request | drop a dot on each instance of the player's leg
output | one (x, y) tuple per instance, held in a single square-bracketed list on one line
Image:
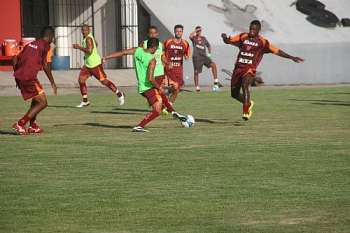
[(175, 91), (236, 85), (154, 99), (196, 80), (39, 103), (99, 74), (214, 71), (247, 103), (83, 77)]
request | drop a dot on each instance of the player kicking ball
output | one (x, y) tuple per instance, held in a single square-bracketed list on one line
[(26, 66), (145, 64), (93, 67), (252, 48)]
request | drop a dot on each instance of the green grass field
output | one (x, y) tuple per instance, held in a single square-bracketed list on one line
[(286, 170)]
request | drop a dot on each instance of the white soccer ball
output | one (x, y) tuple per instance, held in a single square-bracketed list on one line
[(189, 122), (216, 88)]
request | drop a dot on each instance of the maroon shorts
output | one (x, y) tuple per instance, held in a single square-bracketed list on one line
[(239, 74), (97, 72), (29, 88), (152, 95), (176, 76)]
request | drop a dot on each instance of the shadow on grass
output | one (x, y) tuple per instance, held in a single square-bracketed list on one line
[(109, 126), (112, 112), (132, 109), (2, 132), (324, 102), (219, 121)]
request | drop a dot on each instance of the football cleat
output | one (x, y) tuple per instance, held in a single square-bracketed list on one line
[(121, 99), (21, 130), (139, 129), (34, 129), (179, 116), (83, 104)]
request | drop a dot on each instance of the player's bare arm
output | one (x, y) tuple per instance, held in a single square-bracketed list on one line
[(150, 73), (89, 46), (49, 75), (225, 38), (286, 55), (192, 34), (120, 53)]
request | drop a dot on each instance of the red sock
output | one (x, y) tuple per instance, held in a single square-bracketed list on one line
[(83, 89), (23, 121), (32, 121), (110, 85), (148, 118), (166, 103), (246, 108)]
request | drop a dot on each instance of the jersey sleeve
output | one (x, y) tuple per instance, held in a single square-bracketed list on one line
[(269, 48), (237, 39)]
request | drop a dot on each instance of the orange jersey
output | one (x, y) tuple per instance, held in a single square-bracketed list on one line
[(251, 50), (176, 51)]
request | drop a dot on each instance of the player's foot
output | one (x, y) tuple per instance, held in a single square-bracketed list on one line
[(21, 130), (219, 84), (34, 129), (179, 116), (83, 104), (139, 129), (164, 112), (121, 99), (198, 89), (245, 116)]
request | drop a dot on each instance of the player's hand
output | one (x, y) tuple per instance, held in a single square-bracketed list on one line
[(76, 46), (54, 88), (297, 59), (104, 60), (224, 36)]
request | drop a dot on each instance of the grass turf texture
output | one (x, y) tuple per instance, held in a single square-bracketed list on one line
[(285, 170)]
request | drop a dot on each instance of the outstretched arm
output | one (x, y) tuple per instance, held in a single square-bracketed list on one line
[(225, 39), (120, 53), (281, 53), (192, 34), (89, 46)]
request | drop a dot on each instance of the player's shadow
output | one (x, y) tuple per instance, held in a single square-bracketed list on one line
[(324, 102), (61, 106), (114, 112), (108, 126), (132, 109), (2, 132), (216, 121)]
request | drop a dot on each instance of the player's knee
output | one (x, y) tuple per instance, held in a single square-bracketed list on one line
[(104, 81), (81, 80), (234, 93)]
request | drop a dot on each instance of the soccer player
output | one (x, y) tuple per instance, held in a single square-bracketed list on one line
[(93, 66), (26, 66), (145, 65), (159, 56), (252, 47), (176, 49), (202, 58)]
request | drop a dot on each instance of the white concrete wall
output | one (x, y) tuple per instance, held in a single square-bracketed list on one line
[(326, 50)]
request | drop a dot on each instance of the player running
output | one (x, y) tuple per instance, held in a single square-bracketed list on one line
[(176, 49), (26, 66), (93, 67), (202, 58), (252, 48)]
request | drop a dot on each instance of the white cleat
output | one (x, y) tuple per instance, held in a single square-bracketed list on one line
[(121, 99), (83, 104), (177, 115), (139, 129)]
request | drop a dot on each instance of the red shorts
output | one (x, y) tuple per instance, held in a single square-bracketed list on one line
[(97, 72), (160, 80), (176, 76), (29, 88), (239, 74), (152, 95)]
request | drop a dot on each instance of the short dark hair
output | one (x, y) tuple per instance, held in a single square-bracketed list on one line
[(198, 27), (152, 27), (47, 31), (178, 26), (152, 43), (256, 22)]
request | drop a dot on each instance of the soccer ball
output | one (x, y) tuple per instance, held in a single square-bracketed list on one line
[(216, 88), (189, 122)]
